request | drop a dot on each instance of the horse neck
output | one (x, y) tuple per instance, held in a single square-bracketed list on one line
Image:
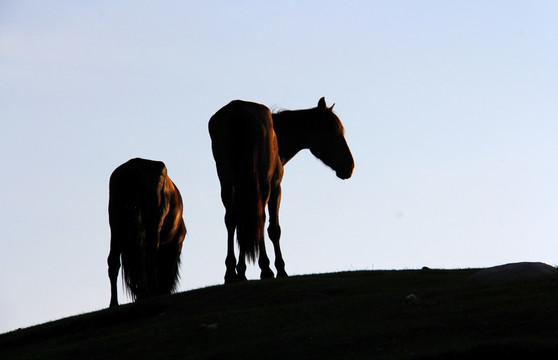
[(293, 129)]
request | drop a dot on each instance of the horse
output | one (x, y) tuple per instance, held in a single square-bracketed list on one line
[(250, 146), (147, 229)]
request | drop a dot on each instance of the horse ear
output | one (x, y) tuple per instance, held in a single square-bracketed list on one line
[(331, 108), (322, 104)]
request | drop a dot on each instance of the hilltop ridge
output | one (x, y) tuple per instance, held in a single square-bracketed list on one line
[(362, 314)]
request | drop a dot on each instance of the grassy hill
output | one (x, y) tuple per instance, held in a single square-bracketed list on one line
[(351, 315)]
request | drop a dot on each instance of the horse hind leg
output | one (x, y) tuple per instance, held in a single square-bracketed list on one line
[(230, 262), (274, 234), (227, 191), (263, 259), (113, 269), (263, 262), (241, 266), (274, 230)]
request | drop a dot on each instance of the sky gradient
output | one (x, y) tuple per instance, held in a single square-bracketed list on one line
[(450, 110)]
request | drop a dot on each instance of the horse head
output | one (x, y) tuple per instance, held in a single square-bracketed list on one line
[(329, 144)]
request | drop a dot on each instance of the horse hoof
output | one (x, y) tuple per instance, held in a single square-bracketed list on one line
[(267, 274), (231, 278), (282, 274)]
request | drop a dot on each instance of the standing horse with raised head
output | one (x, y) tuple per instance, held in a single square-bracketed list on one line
[(147, 229), (250, 147)]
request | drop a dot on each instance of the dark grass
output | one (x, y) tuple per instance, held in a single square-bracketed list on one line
[(350, 315)]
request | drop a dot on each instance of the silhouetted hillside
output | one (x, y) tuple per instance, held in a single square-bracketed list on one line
[(430, 314)]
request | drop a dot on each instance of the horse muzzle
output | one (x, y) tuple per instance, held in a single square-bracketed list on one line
[(344, 174)]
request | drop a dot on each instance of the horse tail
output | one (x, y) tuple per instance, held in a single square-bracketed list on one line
[(168, 262), (134, 254), (248, 201), (173, 232)]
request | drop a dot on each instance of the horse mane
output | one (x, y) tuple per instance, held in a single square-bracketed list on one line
[(277, 110)]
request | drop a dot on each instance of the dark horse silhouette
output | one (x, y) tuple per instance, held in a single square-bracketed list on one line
[(147, 229), (250, 146)]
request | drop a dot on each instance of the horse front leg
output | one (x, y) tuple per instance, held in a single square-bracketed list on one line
[(274, 229)]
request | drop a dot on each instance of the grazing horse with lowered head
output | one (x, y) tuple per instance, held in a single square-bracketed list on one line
[(147, 229), (250, 146)]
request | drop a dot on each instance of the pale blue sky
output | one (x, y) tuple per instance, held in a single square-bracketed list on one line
[(450, 110)]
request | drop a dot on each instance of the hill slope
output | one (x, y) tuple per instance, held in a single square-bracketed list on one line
[(364, 314)]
